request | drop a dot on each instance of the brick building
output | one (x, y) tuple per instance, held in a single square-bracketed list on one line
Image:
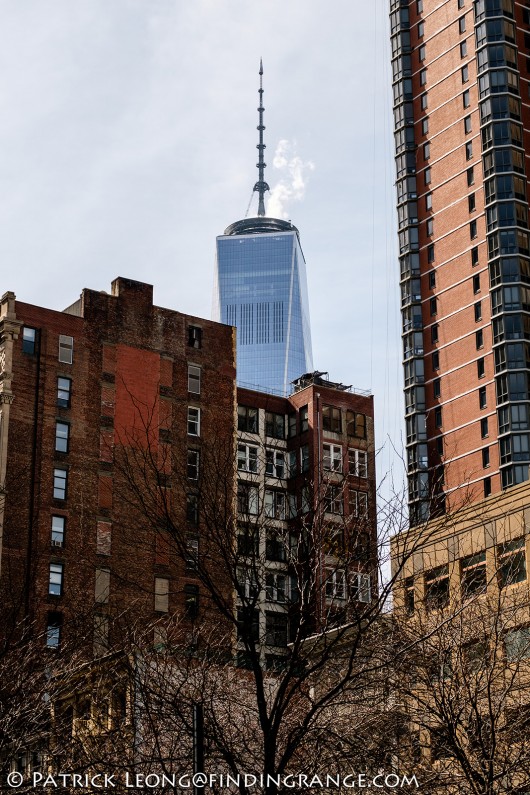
[(112, 373), (461, 83)]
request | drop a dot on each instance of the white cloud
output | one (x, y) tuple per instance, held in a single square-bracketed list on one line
[(293, 180)]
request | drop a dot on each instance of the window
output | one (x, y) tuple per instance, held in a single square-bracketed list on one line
[(275, 587), (517, 644), (430, 253), (429, 227), (424, 122), (467, 124), (331, 419), (247, 419), (482, 402), (476, 283), (472, 230), (426, 151), (102, 586), (358, 463), (54, 625), (192, 508), (60, 481), (435, 360), (481, 370), (511, 561), (195, 337), (470, 173), (423, 77), (462, 25), (436, 388), (55, 583), (358, 504), (333, 500), (466, 101), (304, 419), (66, 349), (291, 425), (193, 464), (247, 541), (62, 436), (463, 48), (437, 588), (478, 311), (485, 457), (29, 340), (421, 29), (275, 548), (191, 601), (419, 6), (274, 504), (469, 150), (194, 421), (275, 425), (247, 581), (64, 390), (460, 3), (335, 584), (428, 201), (248, 624), (409, 595), (194, 379), (479, 339), (471, 203), (275, 629), (58, 528), (361, 588), (432, 280), (356, 424), (474, 256), (465, 74), (275, 463), (247, 499), (487, 487), (247, 458), (440, 445), (421, 53), (427, 176), (433, 306), (332, 457), (192, 551), (438, 416)]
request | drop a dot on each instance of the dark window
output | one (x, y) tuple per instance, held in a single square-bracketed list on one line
[(64, 391), (476, 283), (433, 305), (511, 558), (427, 175), (471, 204), (462, 25), (463, 48), (191, 601), (485, 457), (275, 425), (474, 255), (434, 332), (438, 416), (437, 588), (478, 310), (193, 464), (469, 150), (409, 595), (435, 360), (356, 424), (60, 481), (440, 445), (421, 29), (248, 624), (195, 337), (479, 339), (247, 419), (276, 629), (473, 230), (467, 124), (426, 151), (62, 436), (487, 486), (430, 227), (430, 253), (304, 419), (482, 399), (481, 370), (473, 574), (484, 427), (470, 176), (192, 508), (331, 419), (29, 339), (428, 201), (291, 425), (54, 625), (465, 74), (436, 388)]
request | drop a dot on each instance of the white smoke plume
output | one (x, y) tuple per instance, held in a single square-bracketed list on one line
[(293, 179)]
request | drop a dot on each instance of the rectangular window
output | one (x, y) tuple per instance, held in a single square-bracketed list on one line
[(421, 53), (481, 369), (29, 340), (517, 644), (60, 481), (194, 337), (247, 541), (335, 584), (193, 464), (469, 150), (474, 256), (291, 425), (331, 419), (465, 74), (470, 173), (274, 425), (478, 311), (58, 528), (424, 101), (102, 586), (429, 226), (430, 253), (361, 588), (432, 280), (428, 201), (62, 436), (275, 587), (485, 457), (479, 339), (433, 305), (247, 458), (358, 504), (247, 419), (275, 463), (463, 48), (66, 349), (191, 601), (332, 457), (275, 548), (462, 25), (467, 125), (421, 29), (423, 77), (434, 333), (304, 458), (427, 175), (247, 580), (194, 421), (53, 630), (304, 419), (466, 100), (192, 508), (358, 463), (409, 595), (275, 629), (511, 562), (356, 424), (425, 122), (476, 283), (275, 505), (64, 391), (333, 500), (426, 150), (472, 230), (247, 499), (192, 551), (437, 588), (484, 427), (487, 487), (482, 402), (194, 379), (436, 388), (471, 203), (55, 583), (161, 595), (438, 416), (248, 624)]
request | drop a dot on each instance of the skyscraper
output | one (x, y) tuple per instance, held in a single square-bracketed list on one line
[(261, 289), (461, 84)]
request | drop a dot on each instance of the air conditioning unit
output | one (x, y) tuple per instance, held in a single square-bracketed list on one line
[(56, 543)]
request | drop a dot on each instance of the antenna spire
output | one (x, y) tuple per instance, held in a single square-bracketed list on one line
[(261, 186)]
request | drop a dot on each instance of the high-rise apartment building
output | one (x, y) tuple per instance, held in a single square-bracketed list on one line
[(261, 289), (461, 118)]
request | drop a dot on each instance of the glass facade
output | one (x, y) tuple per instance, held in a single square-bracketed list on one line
[(262, 290)]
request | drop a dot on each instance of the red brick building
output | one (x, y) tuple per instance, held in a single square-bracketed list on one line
[(461, 116)]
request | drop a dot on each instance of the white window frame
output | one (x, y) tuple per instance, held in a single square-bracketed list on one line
[(334, 500), (359, 503), (248, 582), (194, 421), (332, 457), (252, 498), (194, 379), (275, 505), (362, 587), (276, 587), (358, 462), (66, 349), (275, 463), (247, 458), (335, 584)]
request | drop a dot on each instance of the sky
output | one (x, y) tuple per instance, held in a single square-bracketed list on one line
[(128, 142)]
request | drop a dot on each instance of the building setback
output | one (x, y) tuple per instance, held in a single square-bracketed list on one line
[(460, 83)]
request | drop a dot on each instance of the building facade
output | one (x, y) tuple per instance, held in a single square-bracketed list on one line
[(461, 83), (262, 290)]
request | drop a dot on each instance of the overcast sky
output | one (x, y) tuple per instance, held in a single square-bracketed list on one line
[(128, 142)]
